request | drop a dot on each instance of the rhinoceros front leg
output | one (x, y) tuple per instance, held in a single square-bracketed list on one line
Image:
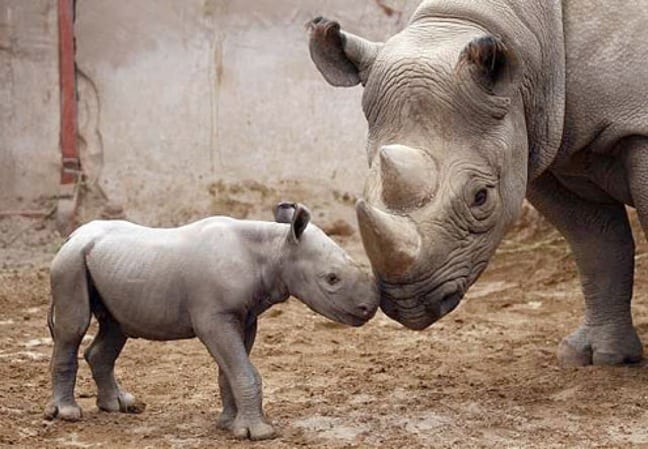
[(601, 240), (101, 356), (223, 335), (228, 414)]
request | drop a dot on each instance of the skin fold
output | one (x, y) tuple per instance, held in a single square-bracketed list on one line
[(475, 106), (210, 279)]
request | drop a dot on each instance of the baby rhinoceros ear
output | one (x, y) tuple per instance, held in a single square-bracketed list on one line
[(300, 220), (284, 211)]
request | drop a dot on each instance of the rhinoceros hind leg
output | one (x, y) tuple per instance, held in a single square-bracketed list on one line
[(101, 356), (66, 412), (68, 320), (601, 240)]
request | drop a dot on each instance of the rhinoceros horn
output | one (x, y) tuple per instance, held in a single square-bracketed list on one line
[(391, 241), (408, 177)]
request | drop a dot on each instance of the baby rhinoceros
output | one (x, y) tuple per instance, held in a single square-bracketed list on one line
[(210, 279)]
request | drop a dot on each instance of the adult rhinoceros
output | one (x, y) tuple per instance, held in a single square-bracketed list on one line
[(477, 104)]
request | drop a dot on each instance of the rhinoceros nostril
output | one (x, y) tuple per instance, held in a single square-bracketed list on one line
[(364, 310)]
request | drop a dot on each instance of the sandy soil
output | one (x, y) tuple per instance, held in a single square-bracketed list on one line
[(485, 376)]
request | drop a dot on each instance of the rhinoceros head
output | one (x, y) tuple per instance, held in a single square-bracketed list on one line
[(447, 148), (320, 273)]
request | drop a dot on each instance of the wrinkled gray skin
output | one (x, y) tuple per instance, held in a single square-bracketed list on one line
[(210, 279), (477, 104)]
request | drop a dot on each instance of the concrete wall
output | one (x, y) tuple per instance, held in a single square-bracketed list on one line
[(29, 101), (177, 95)]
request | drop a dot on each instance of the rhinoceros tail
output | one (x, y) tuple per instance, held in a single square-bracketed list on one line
[(50, 319)]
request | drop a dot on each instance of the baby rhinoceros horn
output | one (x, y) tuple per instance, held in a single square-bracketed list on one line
[(392, 242), (408, 177)]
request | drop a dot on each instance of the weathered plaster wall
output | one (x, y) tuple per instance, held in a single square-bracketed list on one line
[(201, 90), (175, 95), (29, 101)]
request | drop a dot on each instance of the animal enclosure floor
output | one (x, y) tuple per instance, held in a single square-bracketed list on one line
[(484, 376)]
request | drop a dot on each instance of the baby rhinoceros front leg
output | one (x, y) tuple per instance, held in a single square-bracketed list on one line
[(228, 415), (239, 380)]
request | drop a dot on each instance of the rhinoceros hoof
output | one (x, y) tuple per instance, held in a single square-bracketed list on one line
[(225, 420), (254, 429), (124, 402), (66, 412), (600, 345)]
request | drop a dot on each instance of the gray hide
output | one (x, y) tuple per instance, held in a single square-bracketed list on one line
[(210, 279), (477, 104)]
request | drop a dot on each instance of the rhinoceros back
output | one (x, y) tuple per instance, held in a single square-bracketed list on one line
[(138, 273)]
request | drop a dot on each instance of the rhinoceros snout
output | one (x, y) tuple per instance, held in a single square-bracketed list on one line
[(419, 311), (366, 310), (415, 319)]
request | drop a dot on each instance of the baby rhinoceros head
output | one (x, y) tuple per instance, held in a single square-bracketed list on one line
[(321, 274)]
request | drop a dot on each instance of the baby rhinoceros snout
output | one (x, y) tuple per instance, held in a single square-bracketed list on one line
[(361, 314), (365, 311), (367, 305)]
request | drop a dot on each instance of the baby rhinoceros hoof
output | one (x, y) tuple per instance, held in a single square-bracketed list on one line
[(252, 429), (225, 420), (600, 345), (66, 412), (123, 402)]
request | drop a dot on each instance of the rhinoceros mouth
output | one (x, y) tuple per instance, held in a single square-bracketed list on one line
[(450, 302), (419, 310)]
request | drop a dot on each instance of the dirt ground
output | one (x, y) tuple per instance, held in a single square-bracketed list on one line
[(484, 376)]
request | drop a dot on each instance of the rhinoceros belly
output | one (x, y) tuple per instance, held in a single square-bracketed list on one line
[(141, 284)]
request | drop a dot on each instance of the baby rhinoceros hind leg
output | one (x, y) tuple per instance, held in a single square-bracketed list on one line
[(66, 412), (101, 356), (255, 429), (68, 320)]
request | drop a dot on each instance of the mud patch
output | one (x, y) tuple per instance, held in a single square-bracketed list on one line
[(330, 428)]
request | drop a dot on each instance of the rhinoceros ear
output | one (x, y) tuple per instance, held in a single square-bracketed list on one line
[(284, 211), (492, 64), (342, 58), (300, 220)]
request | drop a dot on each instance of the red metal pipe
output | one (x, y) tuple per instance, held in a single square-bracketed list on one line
[(70, 164)]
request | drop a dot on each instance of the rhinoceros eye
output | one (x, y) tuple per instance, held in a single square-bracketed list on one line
[(332, 278), (480, 197)]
